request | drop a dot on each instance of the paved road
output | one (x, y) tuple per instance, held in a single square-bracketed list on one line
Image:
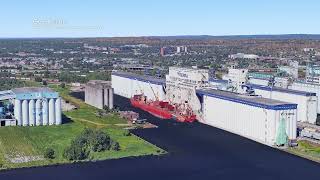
[(196, 152)]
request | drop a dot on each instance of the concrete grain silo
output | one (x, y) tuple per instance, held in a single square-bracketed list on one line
[(25, 112), (58, 111), (52, 112), (37, 106), (18, 111), (38, 112), (99, 94), (45, 114), (32, 113)]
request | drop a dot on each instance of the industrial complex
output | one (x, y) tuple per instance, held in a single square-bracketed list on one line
[(30, 107), (266, 109), (190, 92)]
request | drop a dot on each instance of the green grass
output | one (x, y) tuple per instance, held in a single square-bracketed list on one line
[(86, 112), (33, 141), (307, 149)]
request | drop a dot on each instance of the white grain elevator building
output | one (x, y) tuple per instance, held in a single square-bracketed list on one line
[(36, 107), (264, 120), (307, 102)]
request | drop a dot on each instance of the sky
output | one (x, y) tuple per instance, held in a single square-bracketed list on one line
[(110, 18)]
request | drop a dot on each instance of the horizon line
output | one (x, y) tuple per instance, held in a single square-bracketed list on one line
[(148, 36)]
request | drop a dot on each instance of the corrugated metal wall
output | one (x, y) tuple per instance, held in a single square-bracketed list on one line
[(249, 121), (307, 105), (308, 88), (262, 82), (127, 87)]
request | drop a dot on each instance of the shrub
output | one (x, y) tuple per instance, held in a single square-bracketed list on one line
[(62, 85), (100, 113), (126, 133), (49, 153), (115, 146), (38, 79), (100, 141), (45, 83), (75, 152), (80, 141)]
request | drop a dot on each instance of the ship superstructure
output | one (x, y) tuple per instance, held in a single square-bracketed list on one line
[(181, 86)]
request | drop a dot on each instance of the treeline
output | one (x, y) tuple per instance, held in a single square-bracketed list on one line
[(7, 84), (75, 77)]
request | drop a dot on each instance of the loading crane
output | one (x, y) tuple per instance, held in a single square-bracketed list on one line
[(156, 97)]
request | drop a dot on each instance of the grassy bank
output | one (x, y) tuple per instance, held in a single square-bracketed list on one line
[(307, 150), (31, 142)]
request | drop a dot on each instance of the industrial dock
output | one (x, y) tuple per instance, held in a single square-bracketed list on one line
[(188, 91)]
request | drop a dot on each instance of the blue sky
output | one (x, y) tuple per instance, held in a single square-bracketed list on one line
[(92, 18)]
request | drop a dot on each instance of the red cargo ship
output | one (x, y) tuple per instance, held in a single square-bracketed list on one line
[(161, 109)]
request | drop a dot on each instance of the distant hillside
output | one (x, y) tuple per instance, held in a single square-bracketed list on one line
[(143, 39), (236, 37)]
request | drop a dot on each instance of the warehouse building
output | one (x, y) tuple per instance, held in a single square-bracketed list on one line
[(307, 87), (32, 106), (307, 102), (129, 84), (264, 120), (99, 94)]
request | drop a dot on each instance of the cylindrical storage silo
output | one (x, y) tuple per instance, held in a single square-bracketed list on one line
[(32, 113), (110, 98), (18, 111), (58, 112), (25, 113), (38, 112), (45, 115), (52, 112)]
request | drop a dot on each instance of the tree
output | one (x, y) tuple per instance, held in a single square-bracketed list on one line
[(46, 74), (62, 85), (45, 83), (100, 141), (49, 153), (89, 140), (38, 79), (115, 146), (75, 152)]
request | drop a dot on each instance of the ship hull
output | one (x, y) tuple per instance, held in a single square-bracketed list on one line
[(161, 109), (152, 109)]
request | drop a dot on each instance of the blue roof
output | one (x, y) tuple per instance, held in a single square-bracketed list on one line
[(248, 100), (143, 78), (307, 83), (34, 93), (289, 91), (218, 80), (260, 78)]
